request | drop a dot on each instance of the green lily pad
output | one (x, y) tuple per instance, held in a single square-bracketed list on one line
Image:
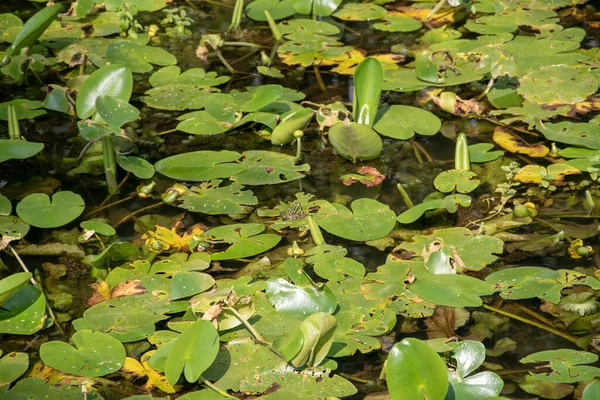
[(12, 366), (566, 365), (24, 108), (368, 220), (469, 355), (360, 12), (300, 298), (510, 20), (480, 153), (128, 319), (329, 263), (137, 166), (24, 313), (449, 203), (310, 343), (210, 198), (268, 168), (355, 141), (39, 211), (178, 97), (204, 123), (38, 389), (591, 391), (194, 76), (278, 9), (577, 133), (451, 290), (307, 26), (454, 179), (18, 149), (10, 24), (530, 113), (137, 57), (199, 338), (398, 23), (5, 206), (115, 112), (305, 49), (98, 227), (12, 227), (530, 282), (258, 370), (246, 240), (200, 165), (402, 122), (95, 354), (414, 371), (558, 83), (295, 120), (186, 284), (322, 8)]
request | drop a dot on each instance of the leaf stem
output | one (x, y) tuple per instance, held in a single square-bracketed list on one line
[(114, 203), (254, 332), (37, 285), (319, 78), (110, 164), (216, 389), (422, 150), (435, 9), (563, 335), (127, 217), (224, 61), (405, 197), (315, 231)]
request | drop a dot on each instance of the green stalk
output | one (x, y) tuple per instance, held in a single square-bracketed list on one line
[(461, 155), (236, 18), (274, 29), (14, 131), (405, 196), (315, 231), (435, 9), (110, 164), (563, 335)]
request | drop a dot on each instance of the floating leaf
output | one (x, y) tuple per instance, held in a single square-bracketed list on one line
[(178, 97), (566, 365), (398, 23), (558, 83), (194, 76), (12, 284), (513, 143), (18, 149), (186, 284), (480, 153), (451, 290), (137, 166), (12, 366), (246, 240), (278, 9), (510, 20), (95, 354), (448, 203), (209, 198), (469, 355), (402, 122), (200, 165), (268, 168), (115, 112), (322, 8), (414, 371), (310, 343), (580, 134), (368, 220), (301, 298), (295, 120), (137, 56), (460, 180), (360, 12), (39, 211), (354, 141), (199, 338)]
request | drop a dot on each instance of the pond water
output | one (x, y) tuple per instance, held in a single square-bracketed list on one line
[(354, 200)]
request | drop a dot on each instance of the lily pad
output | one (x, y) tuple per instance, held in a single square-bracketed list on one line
[(302, 297), (454, 179), (577, 133), (558, 83), (480, 153), (451, 290), (360, 12), (39, 211), (566, 365), (449, 203), (201, 165), (137, 166), (24, 313), (18, 149), (355, 141), (398, 23), (414, 371), (210, 198), (469, 355), (95, 354), (402, 122), (137, 57), (12, 366), (268, 168), (194, 76), (246, 240), (368, 220), (277, 9), (12, 284)]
